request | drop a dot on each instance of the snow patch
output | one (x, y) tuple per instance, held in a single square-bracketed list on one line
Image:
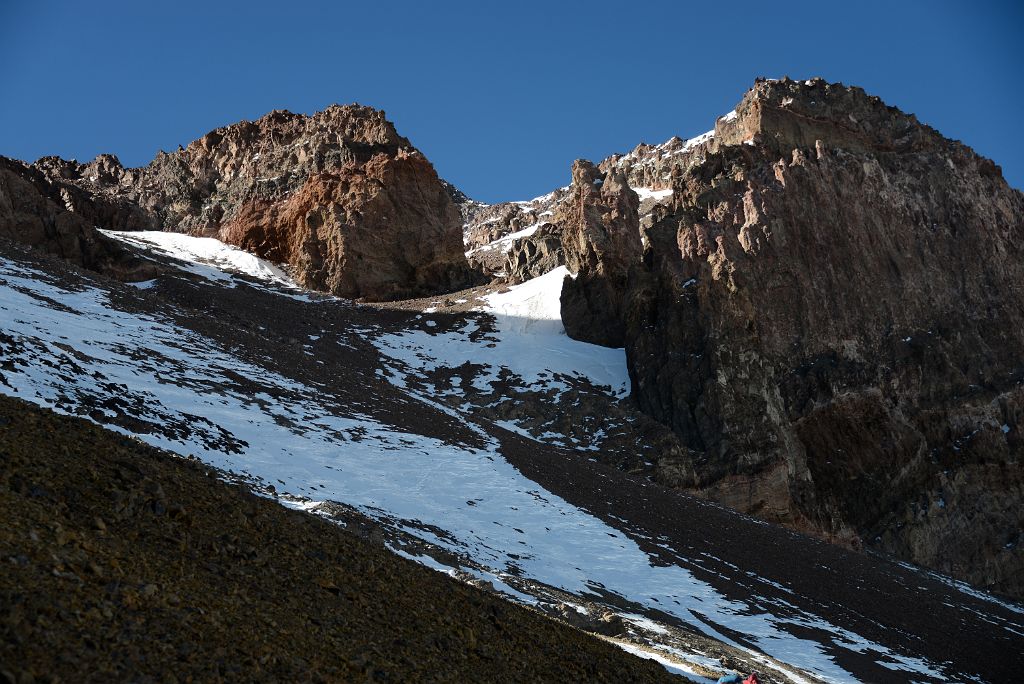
[(504, 243), (648, 193), (530, 341), (670, 664), (212, 258)]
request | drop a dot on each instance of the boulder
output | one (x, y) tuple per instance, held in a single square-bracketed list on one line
[(385, 229)]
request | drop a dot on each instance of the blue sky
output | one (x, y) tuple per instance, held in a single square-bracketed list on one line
[(500, 96)]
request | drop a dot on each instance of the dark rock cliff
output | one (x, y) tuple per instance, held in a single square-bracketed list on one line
[(42, 213), (830, 316), (601, 243)]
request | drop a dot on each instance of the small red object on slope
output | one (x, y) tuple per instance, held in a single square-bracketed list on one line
[(752, 679)]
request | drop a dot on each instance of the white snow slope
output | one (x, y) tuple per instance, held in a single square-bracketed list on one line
[(207, 257), (63, 345)]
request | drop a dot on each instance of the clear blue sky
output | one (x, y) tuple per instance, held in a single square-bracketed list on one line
[(500, 96)]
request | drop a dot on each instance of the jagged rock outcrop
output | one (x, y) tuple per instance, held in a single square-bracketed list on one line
[(499, 237), (467, 206), (367, 230), (491, 232), (654, 166), (381, 199), (43, 214), (601, 243), (829, 315), (534, 255)]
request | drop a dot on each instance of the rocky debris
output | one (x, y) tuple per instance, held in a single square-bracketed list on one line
[(492, 232), (602, 622), (828, 315), (44, 214), (128, 564), (534, 255), (340, 196), (673, 643), (601, 243)]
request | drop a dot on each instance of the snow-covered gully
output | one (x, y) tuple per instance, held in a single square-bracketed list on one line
[(292, 411)]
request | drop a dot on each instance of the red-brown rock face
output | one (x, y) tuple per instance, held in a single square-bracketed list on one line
[(361, 213), (831, 317), (385, 229)]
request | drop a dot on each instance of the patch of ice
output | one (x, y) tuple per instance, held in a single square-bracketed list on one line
[(670, 664), (693, 142), (530, 341), (504, 243), (543, 198), (645, 623), (529, 319)]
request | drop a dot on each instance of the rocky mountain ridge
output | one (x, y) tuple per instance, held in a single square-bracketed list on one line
[(33, 211), (340, 196)]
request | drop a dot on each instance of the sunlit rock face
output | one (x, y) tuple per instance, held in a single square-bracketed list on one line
[(340, 196)]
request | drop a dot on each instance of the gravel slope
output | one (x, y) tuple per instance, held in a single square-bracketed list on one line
[(121, 562)]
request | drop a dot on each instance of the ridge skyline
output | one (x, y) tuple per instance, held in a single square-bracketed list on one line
[(501, 101)]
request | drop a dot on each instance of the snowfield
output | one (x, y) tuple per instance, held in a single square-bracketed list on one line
[(530, 342), (75, 348), (656, 195)]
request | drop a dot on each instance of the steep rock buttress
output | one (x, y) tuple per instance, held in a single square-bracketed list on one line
[(830, 315)]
